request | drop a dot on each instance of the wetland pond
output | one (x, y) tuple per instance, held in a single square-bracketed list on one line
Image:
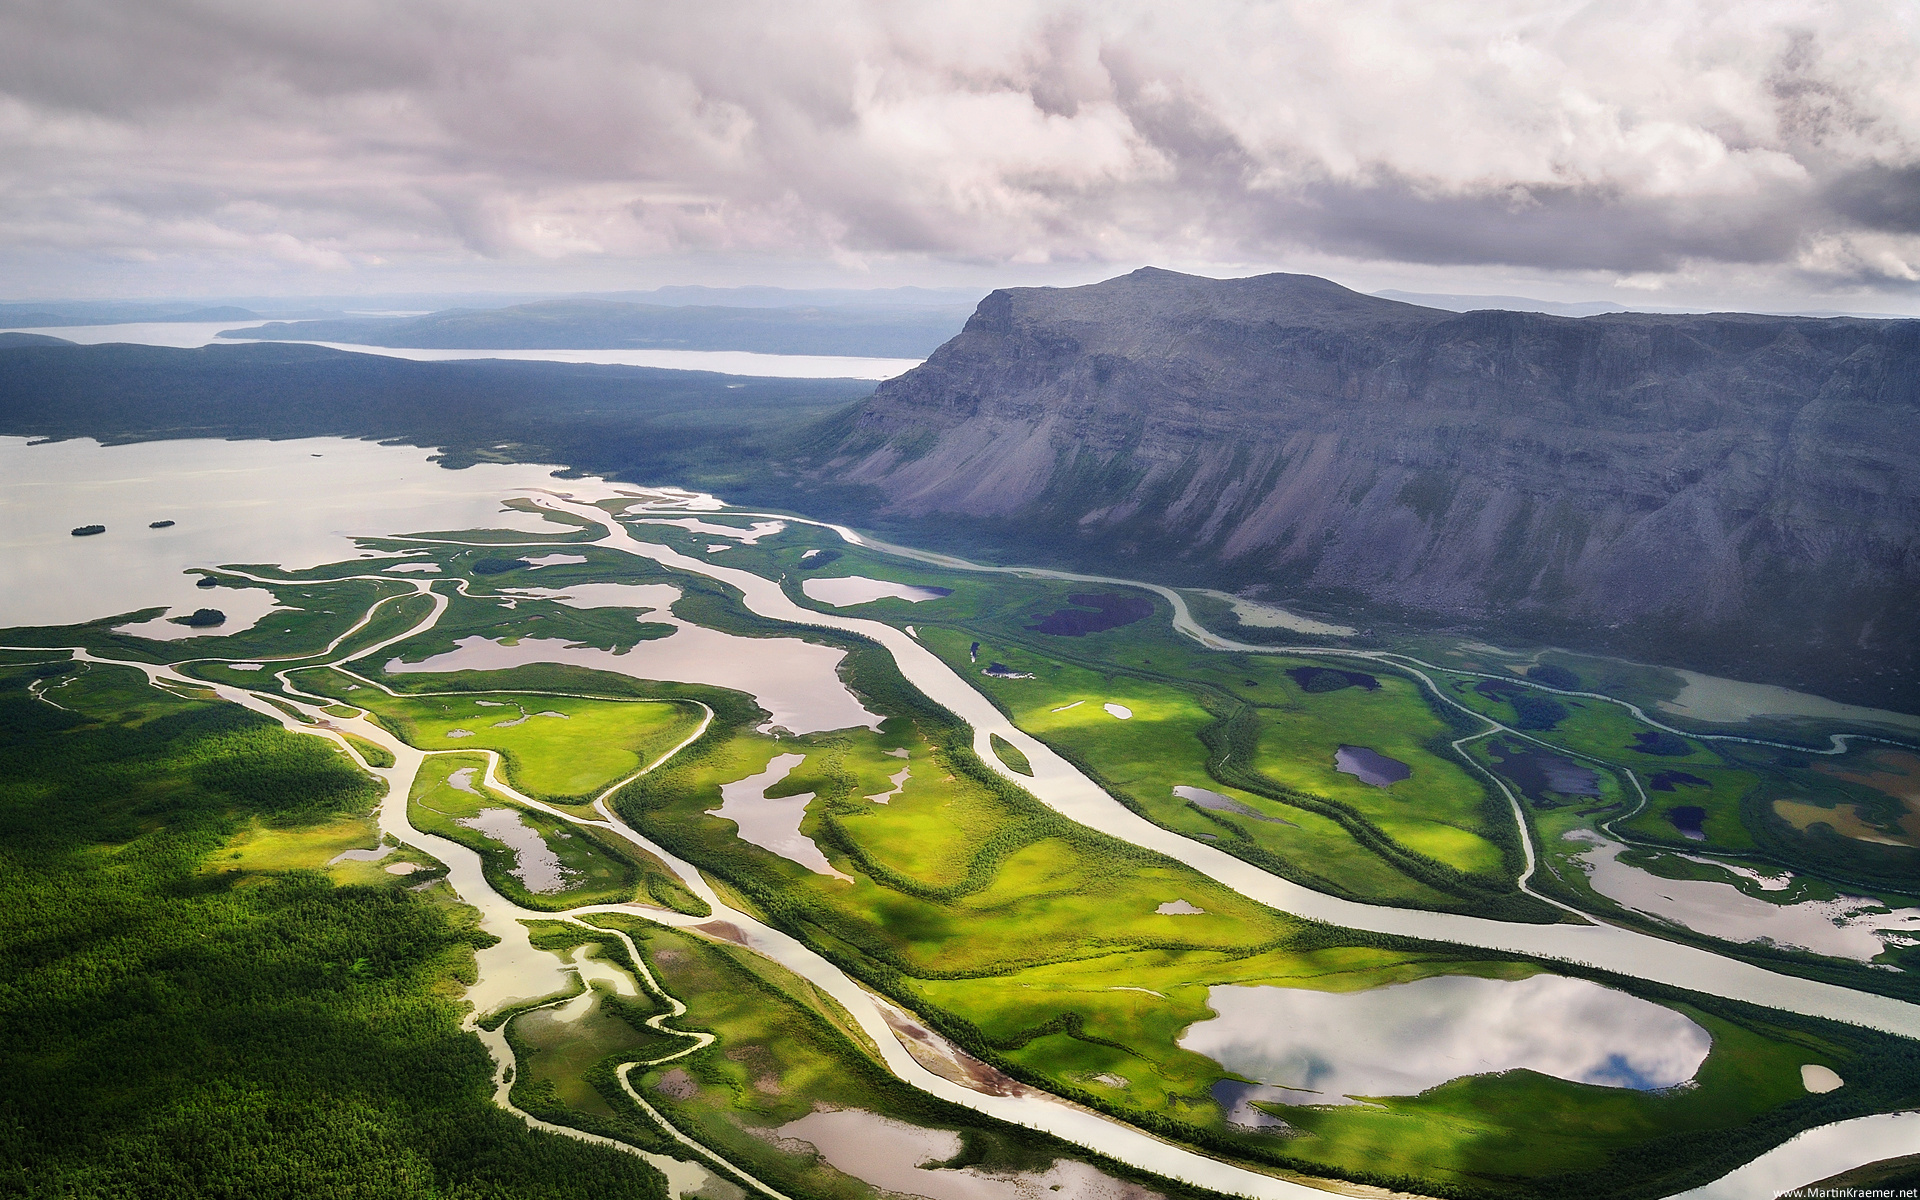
[(1370, 766), (1848, 927), (773, 823), (858, 589), (1214, 801), (1400, 1040), (1538, 772), (296, 504)]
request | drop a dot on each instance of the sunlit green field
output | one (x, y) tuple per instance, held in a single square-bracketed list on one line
[(594, 871), (562, 748)]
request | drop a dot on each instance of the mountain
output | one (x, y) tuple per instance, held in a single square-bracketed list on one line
[(1729, 491), (896, 332), (1463, 303)]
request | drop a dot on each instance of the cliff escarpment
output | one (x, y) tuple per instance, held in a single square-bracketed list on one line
[(1747, 484)]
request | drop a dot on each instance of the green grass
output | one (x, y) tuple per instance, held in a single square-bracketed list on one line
[(595, 870), (1010, 754), (567, 759), (782, 1050)]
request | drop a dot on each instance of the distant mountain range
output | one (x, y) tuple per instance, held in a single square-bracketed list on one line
[(40, 316), (903, 331), (1723, 487)]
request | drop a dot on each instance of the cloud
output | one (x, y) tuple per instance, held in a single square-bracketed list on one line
[(1632, 137)]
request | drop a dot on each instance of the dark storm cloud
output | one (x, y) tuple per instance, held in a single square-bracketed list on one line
[(1627, 138)]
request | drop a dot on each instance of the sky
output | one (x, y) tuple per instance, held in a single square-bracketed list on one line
[(1753, 154)]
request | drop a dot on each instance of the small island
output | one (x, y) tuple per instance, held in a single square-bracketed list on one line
[(88, 530), (206, 581), (202, 618), (159, 524)]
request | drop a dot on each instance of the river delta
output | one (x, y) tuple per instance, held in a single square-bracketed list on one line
[(1247, 910)]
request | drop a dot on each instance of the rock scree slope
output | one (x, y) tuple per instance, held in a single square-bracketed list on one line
[(1746, 485)]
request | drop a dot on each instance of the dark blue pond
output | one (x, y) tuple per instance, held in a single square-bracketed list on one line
[(1370, 766)]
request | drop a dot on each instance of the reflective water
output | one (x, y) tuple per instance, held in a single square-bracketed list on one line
[(1220, 802), (797, 682), (295, 503), (1256, 615), (890, 1154), (1403, 1039), (535, 863), (727, 362), (746, 535), (1370, 766), (857, 589), (1730, 701), (244, 607), (774, 824), (1850, 927)]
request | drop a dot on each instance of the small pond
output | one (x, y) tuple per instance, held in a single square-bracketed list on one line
[(1539, 773), (1110, 611), (891, 1156), (796, 681), (1668, 781), (1850, 927), (1218, 802), (774, 824), (1690, 820), (1370, 766), (1402, 1039), (858, 589), (1331, 679), (535, 863)]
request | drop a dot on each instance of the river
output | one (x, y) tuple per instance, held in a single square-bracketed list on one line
[(514, 971)]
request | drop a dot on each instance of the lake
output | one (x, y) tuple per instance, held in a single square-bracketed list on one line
[(189, 334)]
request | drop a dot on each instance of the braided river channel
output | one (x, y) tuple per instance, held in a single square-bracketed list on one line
[(299, 504)]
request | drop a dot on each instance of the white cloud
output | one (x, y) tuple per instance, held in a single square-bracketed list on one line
[(1633, 139)]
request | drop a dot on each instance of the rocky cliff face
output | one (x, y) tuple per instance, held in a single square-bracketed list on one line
[(1740, 479)]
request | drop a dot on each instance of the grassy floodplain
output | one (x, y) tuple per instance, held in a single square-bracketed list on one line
[(1239, 725), (1052, 954), (779, 1051), (1040, 947), (448, 798), (563, 749)]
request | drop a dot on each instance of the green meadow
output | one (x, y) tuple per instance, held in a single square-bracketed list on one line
[(563, 749), (450, 792), (1040, 946)]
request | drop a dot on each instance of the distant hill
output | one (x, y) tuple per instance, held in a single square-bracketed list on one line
[(643, 424), (10, 340), (1721, 489), (30, 316), (901, 332)]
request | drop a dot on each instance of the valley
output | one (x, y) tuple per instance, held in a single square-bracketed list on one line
[(1010, 903)]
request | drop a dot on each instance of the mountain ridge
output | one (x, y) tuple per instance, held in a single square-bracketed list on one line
[(1704, 476)]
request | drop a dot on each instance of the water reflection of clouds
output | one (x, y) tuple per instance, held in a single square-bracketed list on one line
[(1404, 1039)]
